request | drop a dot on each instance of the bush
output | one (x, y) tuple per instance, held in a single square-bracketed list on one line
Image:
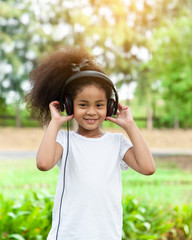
[(30, 219), (141, 221), (182, 229), (144, 222)]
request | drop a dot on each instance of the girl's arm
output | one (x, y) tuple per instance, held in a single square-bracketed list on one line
[(139, 157), (50, 151)]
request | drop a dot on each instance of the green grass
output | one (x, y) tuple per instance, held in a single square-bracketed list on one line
[(18, 177), (169, 185), (166, 186), (152, 205)]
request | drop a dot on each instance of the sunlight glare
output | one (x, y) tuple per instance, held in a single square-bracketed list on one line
[(106, 11), (88, 10), (61, 31), (97, 51), (78, 28), (139, 5), (25, 19), (127, 2)]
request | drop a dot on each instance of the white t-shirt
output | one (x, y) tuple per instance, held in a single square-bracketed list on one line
[(91, 204)]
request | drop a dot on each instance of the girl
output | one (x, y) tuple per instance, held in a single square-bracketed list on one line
[(87, 203)]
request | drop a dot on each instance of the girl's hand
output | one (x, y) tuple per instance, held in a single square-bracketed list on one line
[(55, 113), (124, 116)]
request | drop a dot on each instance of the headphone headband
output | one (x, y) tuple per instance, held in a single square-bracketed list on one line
[(88, 73)]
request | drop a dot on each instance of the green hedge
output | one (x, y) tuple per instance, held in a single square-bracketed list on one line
[(30, 219), (142, 221)]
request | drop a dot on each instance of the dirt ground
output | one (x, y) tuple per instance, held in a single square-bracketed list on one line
[(29, 139)]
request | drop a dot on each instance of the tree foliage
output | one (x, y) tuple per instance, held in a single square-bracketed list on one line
[(119, 33), (169, 71)]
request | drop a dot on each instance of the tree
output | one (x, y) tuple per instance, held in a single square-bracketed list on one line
[(170, 68), (16, 55), (116, 32), (21, 42)]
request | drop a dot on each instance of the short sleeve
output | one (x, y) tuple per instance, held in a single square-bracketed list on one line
[(60, 138), (125, 145)]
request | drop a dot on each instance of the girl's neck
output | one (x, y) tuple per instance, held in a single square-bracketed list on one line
[(90, 134)]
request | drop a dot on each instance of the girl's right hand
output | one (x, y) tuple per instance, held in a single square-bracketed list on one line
[(55, 113)]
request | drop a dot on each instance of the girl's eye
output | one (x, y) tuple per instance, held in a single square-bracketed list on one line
[(83, 105), (99, 105)]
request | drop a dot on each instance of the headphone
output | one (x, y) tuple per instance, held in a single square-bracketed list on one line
[(67, 104)]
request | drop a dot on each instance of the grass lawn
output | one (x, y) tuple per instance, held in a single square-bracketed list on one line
[(169, 185)]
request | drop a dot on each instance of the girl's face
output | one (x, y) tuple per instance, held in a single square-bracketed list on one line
[(90, 109)]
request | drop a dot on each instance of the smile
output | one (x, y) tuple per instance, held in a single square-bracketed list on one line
[(90, 120)]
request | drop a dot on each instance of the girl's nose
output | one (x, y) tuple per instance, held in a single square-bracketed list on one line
[(91, 111)]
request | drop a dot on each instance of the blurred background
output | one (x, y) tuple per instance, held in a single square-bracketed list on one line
[(145, 47)]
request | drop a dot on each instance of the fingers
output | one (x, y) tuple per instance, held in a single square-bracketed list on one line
[(54, 107), (122, 107), (68, 118), (114, 120), (55, 104)]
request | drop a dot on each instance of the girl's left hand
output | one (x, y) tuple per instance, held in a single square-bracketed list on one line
[(124, 116)]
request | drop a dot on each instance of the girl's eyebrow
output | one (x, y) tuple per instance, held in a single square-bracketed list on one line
[(82, 100), (88, 101), (102, 100)]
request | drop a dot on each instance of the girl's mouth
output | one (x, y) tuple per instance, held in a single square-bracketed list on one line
[(90, 120)]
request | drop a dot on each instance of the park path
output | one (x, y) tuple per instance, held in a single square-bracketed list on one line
[(15, 155), (22, 154)]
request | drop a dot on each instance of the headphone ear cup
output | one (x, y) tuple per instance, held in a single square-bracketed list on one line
[(62, 107), (68, 103), (111, 107)]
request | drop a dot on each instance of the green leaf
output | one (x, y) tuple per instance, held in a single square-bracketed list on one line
[(16, 236), (186, 229), (12, 215), (147, 225), (138, 216)]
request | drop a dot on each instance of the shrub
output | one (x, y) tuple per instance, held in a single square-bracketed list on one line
[(182, 228), (144, 222), (30, 219)]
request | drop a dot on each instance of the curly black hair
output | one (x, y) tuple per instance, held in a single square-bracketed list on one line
[(49, 77)]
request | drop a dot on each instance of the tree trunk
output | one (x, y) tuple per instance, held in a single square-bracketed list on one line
[(176, 123), (18, 115), (149, 119), (176, 117)]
